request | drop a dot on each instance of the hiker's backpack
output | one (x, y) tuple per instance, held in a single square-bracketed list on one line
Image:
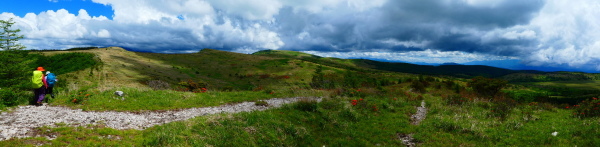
[(51, 79)]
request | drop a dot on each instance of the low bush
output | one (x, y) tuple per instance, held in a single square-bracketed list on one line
[(502, 106), (587, 108), (306, 105), (487, 87), (10, 97), (261, 103), (159, 85), (455, 99)]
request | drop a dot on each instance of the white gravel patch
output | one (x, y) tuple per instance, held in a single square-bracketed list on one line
[(19, 121)]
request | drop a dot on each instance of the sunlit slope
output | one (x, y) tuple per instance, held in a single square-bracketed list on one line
[(120, 68), (233, 70), (463, 71)]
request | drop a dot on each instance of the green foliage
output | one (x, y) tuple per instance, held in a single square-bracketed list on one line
[(525, 96), (318, 78), (192, 86), (12, 97), (455, 99), (261, 103), (419, 85), (14, 69), (487, 87), (306, 105), (289, 126), (587, 108), (67, 62), (502, 107), (147, 99), (9, 37)]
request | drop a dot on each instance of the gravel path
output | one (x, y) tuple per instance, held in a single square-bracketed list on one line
[(22, 120), (415, 119)]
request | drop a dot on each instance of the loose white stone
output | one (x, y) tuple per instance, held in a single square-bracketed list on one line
[(18, 122)]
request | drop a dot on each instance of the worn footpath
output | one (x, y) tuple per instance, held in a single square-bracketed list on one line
[(21, 121)]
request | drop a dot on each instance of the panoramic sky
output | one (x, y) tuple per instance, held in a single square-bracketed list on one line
[(517, 34)]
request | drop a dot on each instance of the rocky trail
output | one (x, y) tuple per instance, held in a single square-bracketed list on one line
[(415, 119), (21, 121)]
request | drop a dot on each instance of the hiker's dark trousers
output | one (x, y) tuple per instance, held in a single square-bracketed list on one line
[(40, 93)]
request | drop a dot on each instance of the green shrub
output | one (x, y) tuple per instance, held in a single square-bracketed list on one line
[(455, 99), (67, 62), (306, 105), (587, 108), (502, 106), (418, 86), (329, 104), (261, 103), (487, 87), (11, 97)]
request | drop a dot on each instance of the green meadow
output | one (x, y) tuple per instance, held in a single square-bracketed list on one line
[(364, 103)]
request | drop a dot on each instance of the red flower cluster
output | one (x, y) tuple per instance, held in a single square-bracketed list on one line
[(78, 99), (589, 108), (355, 102), (200, 90), (375, 108)]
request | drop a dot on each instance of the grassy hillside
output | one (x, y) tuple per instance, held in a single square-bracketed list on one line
[(462, 71), (366, 103)]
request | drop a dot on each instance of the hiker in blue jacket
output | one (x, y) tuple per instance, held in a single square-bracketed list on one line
[(51, 80)]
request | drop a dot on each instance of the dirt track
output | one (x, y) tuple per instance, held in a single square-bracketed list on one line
[(20, 121)]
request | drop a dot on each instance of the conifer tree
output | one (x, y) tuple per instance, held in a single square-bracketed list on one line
[(8, 37), (13, 63)]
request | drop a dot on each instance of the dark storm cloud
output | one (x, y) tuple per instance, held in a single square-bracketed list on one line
[(446, 25)]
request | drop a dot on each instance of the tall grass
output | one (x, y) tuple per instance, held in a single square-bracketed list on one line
[(147, 99), (530, 124)]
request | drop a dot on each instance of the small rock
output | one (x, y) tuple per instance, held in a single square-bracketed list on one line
[(119, 93)]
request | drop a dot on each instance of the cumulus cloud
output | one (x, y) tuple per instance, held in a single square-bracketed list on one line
[(539, 32), (569, 34)]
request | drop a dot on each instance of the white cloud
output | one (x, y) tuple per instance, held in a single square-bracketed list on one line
[(425, 56), (103, 34), (569, 33)]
